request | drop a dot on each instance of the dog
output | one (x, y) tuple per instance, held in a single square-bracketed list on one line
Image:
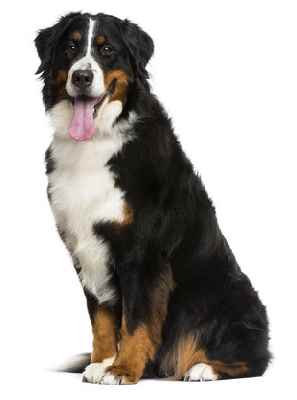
[(165, 294)]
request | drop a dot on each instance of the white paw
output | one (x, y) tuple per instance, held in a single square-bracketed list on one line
[(110, 379), (200, 372), (95, 372)]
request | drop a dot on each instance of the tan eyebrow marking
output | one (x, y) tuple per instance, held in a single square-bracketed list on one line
[(100, 39), (76, 35)]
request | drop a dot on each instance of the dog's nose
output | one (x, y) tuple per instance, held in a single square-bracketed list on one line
[(82, 78)]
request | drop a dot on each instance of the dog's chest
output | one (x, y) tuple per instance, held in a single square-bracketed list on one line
[(83, 192)]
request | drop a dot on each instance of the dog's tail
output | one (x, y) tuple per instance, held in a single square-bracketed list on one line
[(75, 364)]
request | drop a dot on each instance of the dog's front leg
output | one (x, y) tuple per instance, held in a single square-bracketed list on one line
[(105, 337), (137, 347), (145, 298)]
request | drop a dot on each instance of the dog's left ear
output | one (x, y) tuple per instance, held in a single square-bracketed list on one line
[(140, 45)]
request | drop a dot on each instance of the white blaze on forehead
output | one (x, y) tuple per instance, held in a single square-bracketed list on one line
[(88, 62), (92, 24)]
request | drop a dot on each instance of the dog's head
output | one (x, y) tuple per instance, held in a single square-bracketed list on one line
[(89, 64)]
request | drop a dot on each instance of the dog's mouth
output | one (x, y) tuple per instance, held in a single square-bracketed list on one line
[(82, 126)]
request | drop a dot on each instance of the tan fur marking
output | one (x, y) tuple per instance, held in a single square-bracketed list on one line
[(128, 214), (61, 78), (100, 40), (159, 299), (235, 369), (182, 357), (76, 35), (135, 351), (185, 355), (104, 335), (121, 84)]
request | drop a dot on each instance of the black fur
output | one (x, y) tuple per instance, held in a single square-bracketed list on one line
[(174, 222)]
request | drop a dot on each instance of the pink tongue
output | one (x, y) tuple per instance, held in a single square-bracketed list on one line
[(82, 126)]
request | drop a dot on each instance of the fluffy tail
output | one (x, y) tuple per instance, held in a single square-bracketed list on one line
[(75, 364)]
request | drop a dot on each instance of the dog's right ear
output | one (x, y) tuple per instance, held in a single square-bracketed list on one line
[(47, 38), (42, 43)]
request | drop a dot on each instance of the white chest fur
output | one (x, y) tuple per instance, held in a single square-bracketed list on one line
[(82, 193)]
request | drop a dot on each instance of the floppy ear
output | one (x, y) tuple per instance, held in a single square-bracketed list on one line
[(140, 45), (46, 40), (42, 43)]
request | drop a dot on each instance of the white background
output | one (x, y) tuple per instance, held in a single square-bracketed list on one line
[(227, 73)]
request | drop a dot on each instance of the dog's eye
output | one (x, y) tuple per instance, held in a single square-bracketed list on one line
[(72, 45), (106, 50)]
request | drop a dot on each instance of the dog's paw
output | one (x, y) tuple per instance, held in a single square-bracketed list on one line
[(119, 375), (95, 372), (111, 379), (200, 372)]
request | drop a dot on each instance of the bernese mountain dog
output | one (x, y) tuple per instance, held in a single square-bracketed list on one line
[(165, 294)]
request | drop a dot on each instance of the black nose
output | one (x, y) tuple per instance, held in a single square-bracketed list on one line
[(82, 78)]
